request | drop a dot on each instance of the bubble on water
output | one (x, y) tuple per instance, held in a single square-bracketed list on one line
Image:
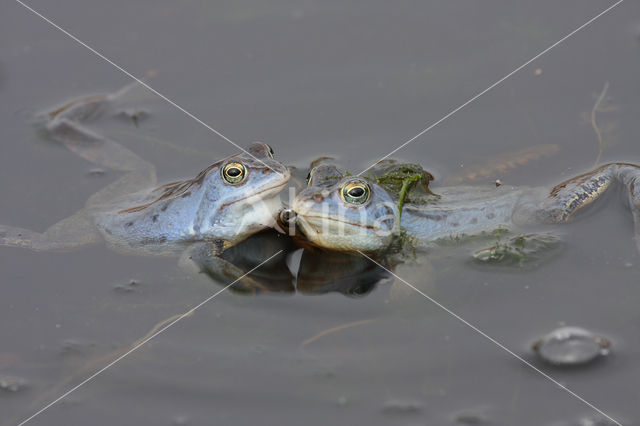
[(12, 384), (568, 346), (401, 406)]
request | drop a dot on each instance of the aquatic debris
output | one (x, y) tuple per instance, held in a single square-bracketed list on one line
[(517, 251), (97, 172), (401, 406), (468, 418), (571, 346), (472, 416), (8, 358), (12, 384), (333, 330), (75, 347), (502, 164), (596, 129), (132, 286), (134, 114)]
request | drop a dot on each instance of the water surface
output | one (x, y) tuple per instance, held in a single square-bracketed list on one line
[(320, 78)]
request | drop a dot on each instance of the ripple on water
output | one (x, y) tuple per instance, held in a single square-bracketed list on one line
[(571, 346)]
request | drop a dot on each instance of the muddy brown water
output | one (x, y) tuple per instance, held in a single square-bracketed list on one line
[(320, 78)]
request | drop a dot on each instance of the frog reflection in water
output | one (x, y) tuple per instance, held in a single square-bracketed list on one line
[(223, 204), (313, 272), (343, 212)]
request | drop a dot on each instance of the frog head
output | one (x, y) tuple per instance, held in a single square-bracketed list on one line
[(240, 195), (343, 212)]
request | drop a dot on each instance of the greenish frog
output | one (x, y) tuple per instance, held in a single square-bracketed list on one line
[(223, 204)]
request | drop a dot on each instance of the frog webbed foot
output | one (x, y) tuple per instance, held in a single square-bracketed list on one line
[(65, 124), (520, 251)]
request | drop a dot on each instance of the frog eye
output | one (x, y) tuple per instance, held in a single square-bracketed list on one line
[(234, 173), (270, 150), (355, 192)]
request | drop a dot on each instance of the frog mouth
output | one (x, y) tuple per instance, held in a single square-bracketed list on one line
[(314, 223), (257, 195)]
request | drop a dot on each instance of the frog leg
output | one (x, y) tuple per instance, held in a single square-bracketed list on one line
[(569, 197), (65, 125), (74, 231)]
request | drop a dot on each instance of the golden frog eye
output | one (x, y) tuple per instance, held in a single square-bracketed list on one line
[(234, 173), (355, 192)]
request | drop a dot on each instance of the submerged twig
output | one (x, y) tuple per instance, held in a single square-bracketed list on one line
[(334, 329), (593, 121)]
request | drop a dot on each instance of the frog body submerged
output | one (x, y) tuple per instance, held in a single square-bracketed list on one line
[(225, 203), (344, 212), (462, 211), (203, 208)]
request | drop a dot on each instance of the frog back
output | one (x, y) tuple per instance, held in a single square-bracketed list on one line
[(460, 211), (141, 222)]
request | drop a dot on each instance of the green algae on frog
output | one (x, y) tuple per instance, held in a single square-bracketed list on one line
[(343, 212), (225, 203)]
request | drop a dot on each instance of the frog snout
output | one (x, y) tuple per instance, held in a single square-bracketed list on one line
[(287, 221), (287, 216)]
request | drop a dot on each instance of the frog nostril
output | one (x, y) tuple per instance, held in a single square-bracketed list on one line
[(318, 198), (287, 215)]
